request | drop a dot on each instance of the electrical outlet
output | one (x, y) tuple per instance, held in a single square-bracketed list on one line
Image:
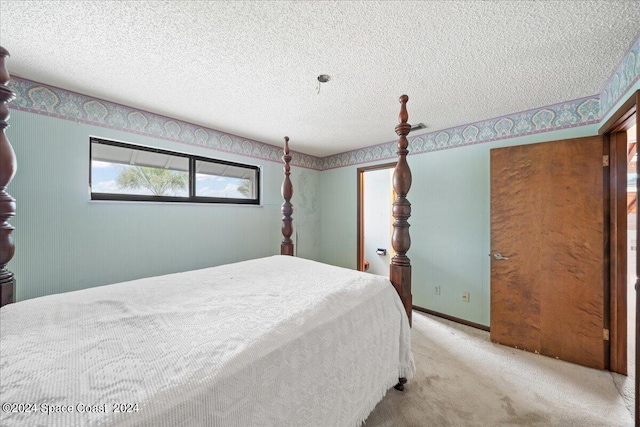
[(465, 297), (436, 290)]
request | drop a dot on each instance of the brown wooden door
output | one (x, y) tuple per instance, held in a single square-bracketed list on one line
[(547, 225)]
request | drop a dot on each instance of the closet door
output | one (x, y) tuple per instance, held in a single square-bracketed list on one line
[(547, 249)]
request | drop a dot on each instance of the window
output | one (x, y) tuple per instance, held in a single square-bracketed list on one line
[(128, 172)]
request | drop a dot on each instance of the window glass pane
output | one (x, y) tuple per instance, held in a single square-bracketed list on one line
[(228, 181), (128, 172), (122, 170), (141, 180)]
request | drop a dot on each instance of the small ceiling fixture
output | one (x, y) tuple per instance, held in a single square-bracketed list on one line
[(323, 78)]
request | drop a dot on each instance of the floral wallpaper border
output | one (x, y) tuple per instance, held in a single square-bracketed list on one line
[(625, 76), (39, 98), (569, 114), (43, 99)]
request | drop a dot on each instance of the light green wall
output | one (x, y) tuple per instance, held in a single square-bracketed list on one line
[(450, 224), (65, 242)]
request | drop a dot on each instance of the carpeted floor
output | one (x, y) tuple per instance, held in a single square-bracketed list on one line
[(463, 379)]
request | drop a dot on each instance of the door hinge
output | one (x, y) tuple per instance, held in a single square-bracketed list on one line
[(606, 334), (605, 160)]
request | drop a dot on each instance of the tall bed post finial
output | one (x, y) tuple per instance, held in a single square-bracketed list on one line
[(8, 167), (400, 269), (286, 248)]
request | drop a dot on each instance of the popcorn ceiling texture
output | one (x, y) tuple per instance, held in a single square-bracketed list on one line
[(42, 99), (226, 65)]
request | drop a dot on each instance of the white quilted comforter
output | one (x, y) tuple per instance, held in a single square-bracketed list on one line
[(278, 341)]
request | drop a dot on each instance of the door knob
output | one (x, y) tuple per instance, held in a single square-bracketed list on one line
[(498, 256)]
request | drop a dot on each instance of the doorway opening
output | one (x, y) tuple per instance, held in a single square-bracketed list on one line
[(623, 242), (632, 248), (375, 222), (621, 137)]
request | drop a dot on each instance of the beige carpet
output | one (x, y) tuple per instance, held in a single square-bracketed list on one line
[(463, 379)]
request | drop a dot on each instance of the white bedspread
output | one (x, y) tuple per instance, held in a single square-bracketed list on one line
[(278, 341)]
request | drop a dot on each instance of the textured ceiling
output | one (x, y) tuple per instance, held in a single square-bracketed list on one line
[(250, 68)]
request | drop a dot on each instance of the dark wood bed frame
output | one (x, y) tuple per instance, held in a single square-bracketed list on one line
[(7, 171), (400, 269)]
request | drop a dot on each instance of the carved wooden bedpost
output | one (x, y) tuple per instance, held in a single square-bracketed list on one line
[(286, 248), (400, 269), (8, 166)]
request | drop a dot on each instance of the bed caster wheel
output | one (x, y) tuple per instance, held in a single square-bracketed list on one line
[(400, 385)]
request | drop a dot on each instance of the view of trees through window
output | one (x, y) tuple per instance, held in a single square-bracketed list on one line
[(160, 182), (124, 172)]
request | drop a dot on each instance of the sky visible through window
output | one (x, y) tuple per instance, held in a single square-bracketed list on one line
[(104, 177)]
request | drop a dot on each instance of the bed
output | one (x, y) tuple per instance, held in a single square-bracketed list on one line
[(274, 341)]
